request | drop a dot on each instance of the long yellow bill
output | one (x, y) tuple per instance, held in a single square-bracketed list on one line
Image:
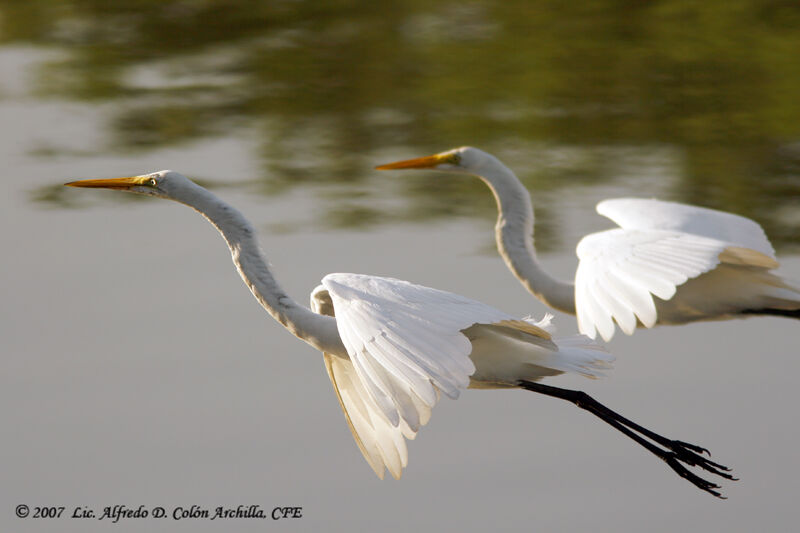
[(111, 183), (430, 161)]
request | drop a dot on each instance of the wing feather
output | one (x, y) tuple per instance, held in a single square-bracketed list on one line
[(425, 322), (658, 247), (443, 366), (380, 442), (373, 382), (651, 214), (620, 269), (618, 304), (407, 344), (635, 294)]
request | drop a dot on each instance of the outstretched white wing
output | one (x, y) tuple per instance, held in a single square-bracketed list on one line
[(644, 214), (407, 343), (659, 246), (382, 444), (405, 340)]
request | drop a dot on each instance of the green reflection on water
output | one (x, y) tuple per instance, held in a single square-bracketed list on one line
[(716, 82)]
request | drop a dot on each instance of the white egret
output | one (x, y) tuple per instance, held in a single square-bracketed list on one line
[(699, 263), (393, 347)]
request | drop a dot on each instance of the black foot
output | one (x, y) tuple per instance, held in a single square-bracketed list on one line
[(675, 453), (680, 453)]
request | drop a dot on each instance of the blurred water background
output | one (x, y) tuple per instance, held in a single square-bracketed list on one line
[(137, 370)]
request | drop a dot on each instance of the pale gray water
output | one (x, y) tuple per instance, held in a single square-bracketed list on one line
[(137, 369)]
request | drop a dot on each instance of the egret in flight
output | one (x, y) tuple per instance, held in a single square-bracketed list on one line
[(392, 347), (698, 263)]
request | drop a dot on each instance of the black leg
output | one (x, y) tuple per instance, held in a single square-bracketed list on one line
[(676, 452)]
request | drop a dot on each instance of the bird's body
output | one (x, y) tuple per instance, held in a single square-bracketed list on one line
[(666, 263), (406, 344), (392, 347)]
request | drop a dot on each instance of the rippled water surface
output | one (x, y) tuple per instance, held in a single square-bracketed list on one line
[(138, 370)]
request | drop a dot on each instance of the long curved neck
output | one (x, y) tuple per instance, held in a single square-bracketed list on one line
[(514, 236), (317, 330)]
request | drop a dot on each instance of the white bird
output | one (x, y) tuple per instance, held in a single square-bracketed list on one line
[(698, 263), (393, 347)]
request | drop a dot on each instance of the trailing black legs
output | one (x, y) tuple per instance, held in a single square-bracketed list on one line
[(673, 452)]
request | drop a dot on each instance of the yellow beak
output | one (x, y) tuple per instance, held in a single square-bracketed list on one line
[(112, 183), (430, 161)]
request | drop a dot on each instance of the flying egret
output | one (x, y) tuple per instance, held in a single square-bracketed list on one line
[(699, 263), (391, 347)]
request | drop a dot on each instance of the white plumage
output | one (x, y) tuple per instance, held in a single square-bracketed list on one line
[(407, 343), (652, 214), (392, 347), (667, 263), (658, 248)]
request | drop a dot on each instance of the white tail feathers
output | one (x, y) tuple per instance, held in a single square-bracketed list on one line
[(582, 355)]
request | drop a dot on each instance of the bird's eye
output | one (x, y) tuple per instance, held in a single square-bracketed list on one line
[(152, 182)]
